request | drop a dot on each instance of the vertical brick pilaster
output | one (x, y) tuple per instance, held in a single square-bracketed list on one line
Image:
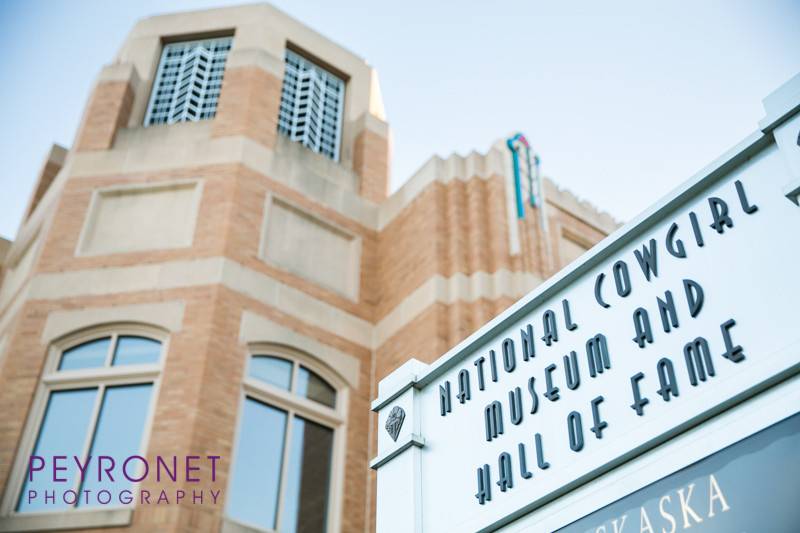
[(109, 107), (371, 157), (248, 105)]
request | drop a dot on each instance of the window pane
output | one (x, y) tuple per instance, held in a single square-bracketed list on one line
[(63, 432), (90, 354), (253, 497), (118, 435), (136, 351), (315, 388), (272, 370), (305, 505)]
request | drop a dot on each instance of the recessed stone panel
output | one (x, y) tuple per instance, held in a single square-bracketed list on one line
[(141, 218), (311, 247)]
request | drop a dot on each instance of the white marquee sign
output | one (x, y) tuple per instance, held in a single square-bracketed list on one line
[(688, 310)]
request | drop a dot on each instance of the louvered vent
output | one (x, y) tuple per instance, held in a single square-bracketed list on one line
[(188, 81), (311, 106)]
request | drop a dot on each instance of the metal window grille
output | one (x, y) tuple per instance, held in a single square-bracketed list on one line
[(311, 106), (188, 81)]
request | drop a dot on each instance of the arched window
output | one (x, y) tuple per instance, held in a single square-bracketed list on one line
[(287, 444), (95, 398)]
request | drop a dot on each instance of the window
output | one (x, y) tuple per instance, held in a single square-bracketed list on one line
[(284, 459), (311, 106), (188, 81), (97, 400)]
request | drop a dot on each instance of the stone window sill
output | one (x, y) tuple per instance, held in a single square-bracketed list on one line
[(52, 521)]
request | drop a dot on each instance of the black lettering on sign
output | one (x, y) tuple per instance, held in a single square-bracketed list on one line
[(515, 405), (534, 396), (698, 236), (479, 364), (493, 420), (528, 349), (571, 370), (550, 330), (622, 278), (505, 480), (747, 207), (523, 463), (552, 392), (698, 360), (638, 401), (647, 259), (540, 462), (568, 323), (599, 423), (493, 365), (597, 353), (734, 352), (719, 210), (666, 378), (444, 398), (484, 485), (463, 385), (675, 246), (694, 296), (509, 357), (575, 428), (641, 325), (598, 282), (669, 315)]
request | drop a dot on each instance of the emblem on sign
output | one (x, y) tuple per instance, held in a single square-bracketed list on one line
[(395, 421)]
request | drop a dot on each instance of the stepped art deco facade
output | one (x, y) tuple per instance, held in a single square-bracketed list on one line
[(208, 285)]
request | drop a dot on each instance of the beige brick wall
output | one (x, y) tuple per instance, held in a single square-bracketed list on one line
[(196, 409), (371, 163), (248, 105), (458, 227), (449, 227), (109, 107)]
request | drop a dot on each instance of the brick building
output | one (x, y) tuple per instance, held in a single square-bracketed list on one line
[(215, 267)]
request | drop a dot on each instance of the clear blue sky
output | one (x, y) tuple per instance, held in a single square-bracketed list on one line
[(623, 100)]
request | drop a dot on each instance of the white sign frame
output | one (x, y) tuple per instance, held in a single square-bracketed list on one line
[(402, 477)]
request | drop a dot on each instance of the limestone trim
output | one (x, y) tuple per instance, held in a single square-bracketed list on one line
[(580, 209), (166, 315), (178, 146), (67, 520), (51, 166), (9, 312), (368, 121), (436, 169), (449, 290), (200, 272), (18, 270), (255, 329), (125, 72), (160, 148), (269, 291)]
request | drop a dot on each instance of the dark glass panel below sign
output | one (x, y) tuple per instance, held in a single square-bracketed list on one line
[(749, 487)]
